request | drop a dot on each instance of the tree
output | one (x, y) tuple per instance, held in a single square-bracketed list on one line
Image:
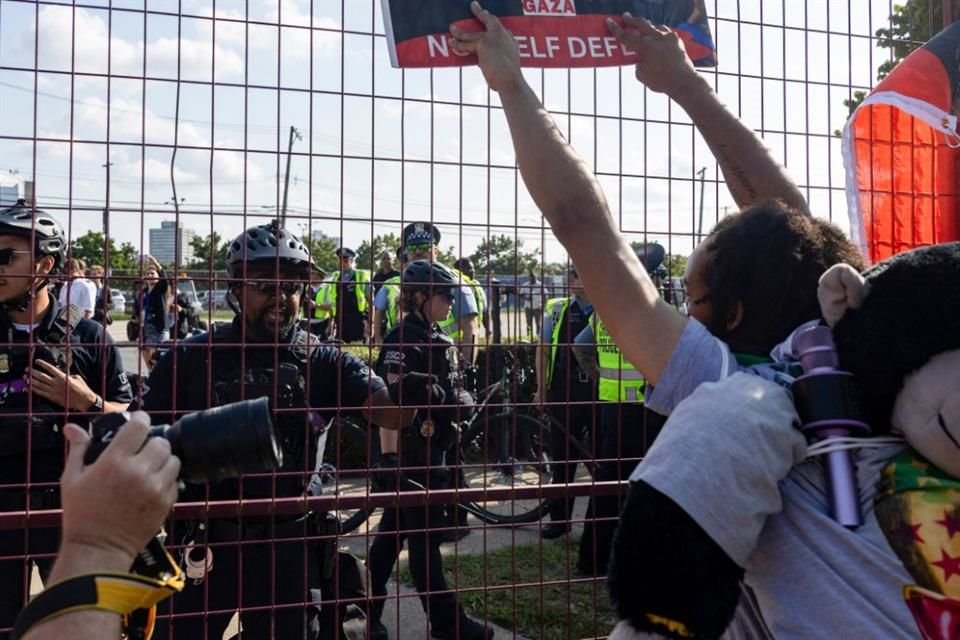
[(503, 255), (209, 252), (90, 248), (911, 26), (676, 265), (368, 254), (323, 251)]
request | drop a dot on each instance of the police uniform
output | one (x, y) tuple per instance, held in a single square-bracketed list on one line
[(348, 292), (297, 375), (571, 393), (415, 346), (627, 430), (94, 357)]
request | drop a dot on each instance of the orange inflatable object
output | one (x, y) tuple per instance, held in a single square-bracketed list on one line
[(901, 151)]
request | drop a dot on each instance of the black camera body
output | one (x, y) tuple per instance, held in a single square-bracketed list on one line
[(214, 444)]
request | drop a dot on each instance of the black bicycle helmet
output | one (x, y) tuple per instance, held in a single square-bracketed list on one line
[(268, 242), (651, 256), (27, 222), (424, 275)]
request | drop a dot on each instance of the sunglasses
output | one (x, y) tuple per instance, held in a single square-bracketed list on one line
[(418, 248), (6, 255), (446, 294), (267, 287)]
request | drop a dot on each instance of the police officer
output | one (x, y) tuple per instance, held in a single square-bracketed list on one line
[(55, 366), (627, 428), (348, 298), (263, 353), (567, 389), (386, 304), (420, 240), (464, 266), (417, 344)]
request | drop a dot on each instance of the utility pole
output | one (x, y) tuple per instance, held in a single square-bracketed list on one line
[(702, 174), (294, 135), (106, 223)]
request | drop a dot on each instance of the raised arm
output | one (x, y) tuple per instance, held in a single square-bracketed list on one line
[(570, 198), (750, 171)]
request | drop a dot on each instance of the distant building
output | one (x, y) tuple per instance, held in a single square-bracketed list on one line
[(9, 189), (316, 234), (170, 244)]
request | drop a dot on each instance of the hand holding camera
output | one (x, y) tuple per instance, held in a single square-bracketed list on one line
[(114, 506)]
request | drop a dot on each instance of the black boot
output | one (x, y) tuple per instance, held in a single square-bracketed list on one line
[(378, 631)]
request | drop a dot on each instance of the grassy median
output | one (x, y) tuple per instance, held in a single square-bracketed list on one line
[(532, 589)]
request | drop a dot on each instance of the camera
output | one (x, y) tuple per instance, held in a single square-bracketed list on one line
[(827, 401), (223, 442)]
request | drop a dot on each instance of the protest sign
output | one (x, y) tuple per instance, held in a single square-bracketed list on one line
[(549, 33)]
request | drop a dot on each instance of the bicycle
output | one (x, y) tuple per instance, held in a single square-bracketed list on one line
[(499, 446)]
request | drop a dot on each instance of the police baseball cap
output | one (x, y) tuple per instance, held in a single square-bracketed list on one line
[(345, 252), (420, 233)]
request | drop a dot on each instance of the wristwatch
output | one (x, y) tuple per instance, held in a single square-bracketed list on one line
[(97, 403)]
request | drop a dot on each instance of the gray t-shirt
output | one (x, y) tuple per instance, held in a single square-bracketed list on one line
[(812, 577)]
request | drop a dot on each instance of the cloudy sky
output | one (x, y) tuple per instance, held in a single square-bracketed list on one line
[(212, 89)]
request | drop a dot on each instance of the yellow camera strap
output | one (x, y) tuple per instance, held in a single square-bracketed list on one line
[(155, 576), (120, 593)]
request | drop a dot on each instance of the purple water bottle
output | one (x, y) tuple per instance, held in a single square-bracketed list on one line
[(827, 401)]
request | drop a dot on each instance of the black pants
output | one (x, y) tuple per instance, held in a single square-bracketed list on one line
[(626, 432), (350, 328), (579, 419), (413, 525), (15, 573), (20, 549), (282, 572)]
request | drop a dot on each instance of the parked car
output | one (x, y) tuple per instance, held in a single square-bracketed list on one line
[(118, 301), (215, 299)]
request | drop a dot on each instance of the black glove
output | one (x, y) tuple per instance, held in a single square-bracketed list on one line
[(385, 473), (417, 389)]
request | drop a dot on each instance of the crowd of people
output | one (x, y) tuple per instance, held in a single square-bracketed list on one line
[(613, 360)]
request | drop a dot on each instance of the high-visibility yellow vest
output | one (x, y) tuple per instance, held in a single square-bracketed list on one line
[(321, 298), (449, 324), (556, 307), (619, 380), (361, 277), (392, 312)]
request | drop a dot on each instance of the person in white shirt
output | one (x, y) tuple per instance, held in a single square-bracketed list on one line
[(77, 290)]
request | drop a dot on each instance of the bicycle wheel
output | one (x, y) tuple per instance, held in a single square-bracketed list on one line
[(501, 451), (348, 457)]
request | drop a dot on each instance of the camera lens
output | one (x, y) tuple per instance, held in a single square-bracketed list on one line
[(225, 442)]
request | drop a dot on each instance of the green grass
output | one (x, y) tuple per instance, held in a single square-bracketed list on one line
[(553, 603)]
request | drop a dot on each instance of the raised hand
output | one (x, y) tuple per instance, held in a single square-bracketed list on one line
[(662, 62), (495, 48)]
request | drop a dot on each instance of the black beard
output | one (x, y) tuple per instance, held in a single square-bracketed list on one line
[(262, 329)]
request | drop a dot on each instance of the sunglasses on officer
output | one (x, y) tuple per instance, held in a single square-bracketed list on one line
[(446, 294), (267, 287), (7, 253)]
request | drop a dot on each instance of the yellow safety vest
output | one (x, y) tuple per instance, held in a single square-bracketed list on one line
[(619, 380), (318, 299), (392, 312), (361, 278), (556, 307), (449, 324)]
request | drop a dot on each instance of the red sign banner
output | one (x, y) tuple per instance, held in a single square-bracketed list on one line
[(549, 33)]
